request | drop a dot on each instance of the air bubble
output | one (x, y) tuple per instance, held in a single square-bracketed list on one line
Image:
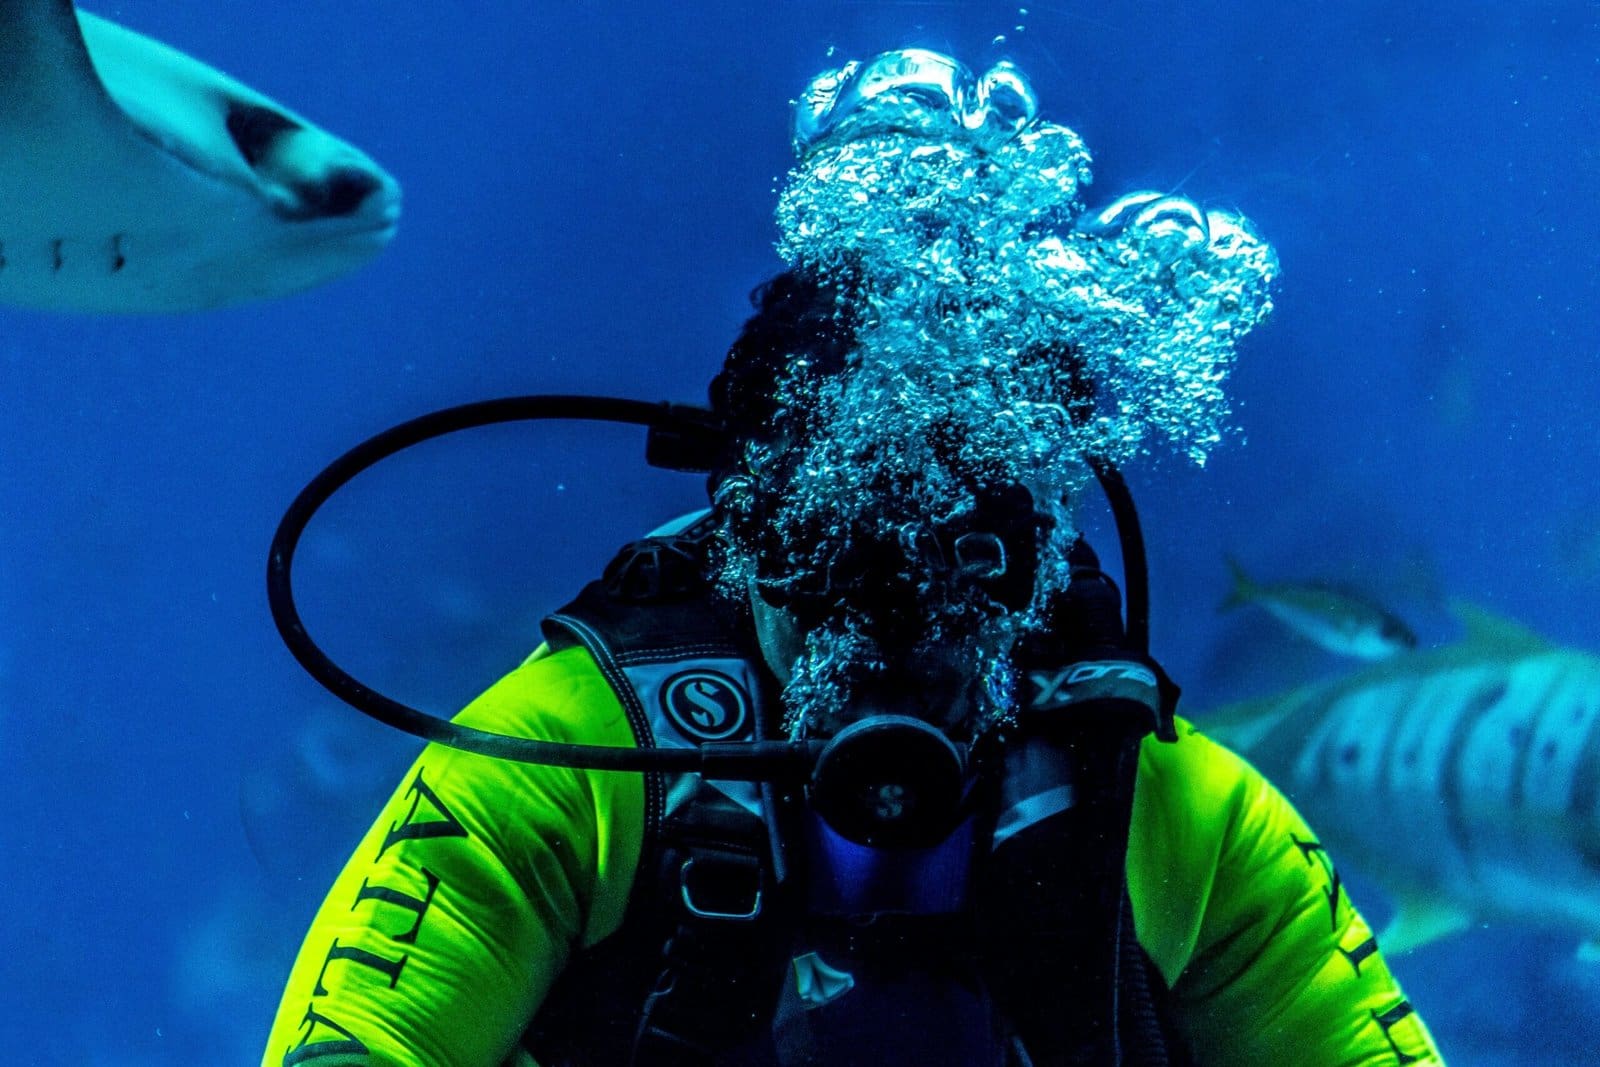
[(951, 211)]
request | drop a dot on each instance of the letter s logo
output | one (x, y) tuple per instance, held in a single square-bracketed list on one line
[(705, 705)]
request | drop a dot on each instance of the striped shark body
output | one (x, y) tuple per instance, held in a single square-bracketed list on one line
[(1464, 779)]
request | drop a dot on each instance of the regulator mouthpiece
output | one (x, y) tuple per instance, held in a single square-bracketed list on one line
[(890, 781)]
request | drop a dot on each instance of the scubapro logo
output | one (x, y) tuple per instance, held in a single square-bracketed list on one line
[(1097, 678), (705, 705)]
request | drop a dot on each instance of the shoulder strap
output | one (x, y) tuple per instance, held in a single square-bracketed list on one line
[(703, 919)]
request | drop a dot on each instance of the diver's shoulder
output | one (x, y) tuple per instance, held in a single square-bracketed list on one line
[(553, 695), (1196, 768), (1192, 745)]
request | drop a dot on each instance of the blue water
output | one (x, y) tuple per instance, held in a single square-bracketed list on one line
[(589, 194)]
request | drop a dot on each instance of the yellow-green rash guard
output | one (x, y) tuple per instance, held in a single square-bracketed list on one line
[(481, 878)]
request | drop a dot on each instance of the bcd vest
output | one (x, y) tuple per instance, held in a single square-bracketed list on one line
[(756, 937)]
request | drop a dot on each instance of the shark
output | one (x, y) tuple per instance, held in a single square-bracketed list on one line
[(137, 179), (1463, 779)]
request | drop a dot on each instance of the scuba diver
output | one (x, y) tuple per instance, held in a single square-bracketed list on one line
[(868, 761)]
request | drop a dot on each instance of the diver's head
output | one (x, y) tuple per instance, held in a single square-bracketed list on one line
[(881, 579), (921, 398)]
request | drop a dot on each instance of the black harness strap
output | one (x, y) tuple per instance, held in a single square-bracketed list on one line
[(699, 960), (721, 969)]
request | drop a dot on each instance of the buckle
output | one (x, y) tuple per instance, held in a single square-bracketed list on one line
[(725, 888)]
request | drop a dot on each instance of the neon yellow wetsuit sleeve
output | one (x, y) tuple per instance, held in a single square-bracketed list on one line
[(464, 901), (1243, 912)]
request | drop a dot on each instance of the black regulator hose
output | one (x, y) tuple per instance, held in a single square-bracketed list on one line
[(681, 437), (1130, 536)]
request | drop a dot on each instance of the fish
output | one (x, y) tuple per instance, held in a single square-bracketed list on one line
[(1463, 779), (137, 179), (1340, 622)]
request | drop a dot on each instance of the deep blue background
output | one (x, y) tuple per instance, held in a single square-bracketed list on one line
[(588, 199)]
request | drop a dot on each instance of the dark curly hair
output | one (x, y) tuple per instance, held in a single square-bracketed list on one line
[(801, 318), (802, 327)]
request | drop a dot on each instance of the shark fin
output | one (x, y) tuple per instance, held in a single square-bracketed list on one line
[(1485, 627), (1419, 921), (1244, 589), (1241, 726)]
